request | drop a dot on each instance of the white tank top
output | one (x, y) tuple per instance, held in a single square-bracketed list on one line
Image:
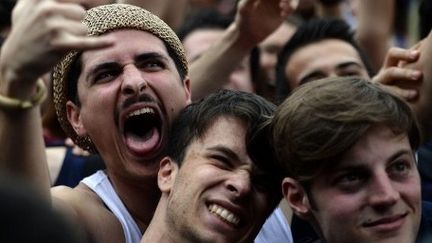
[(101, 185)]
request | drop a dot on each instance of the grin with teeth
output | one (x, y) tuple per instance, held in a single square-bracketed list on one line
[(224, 214)]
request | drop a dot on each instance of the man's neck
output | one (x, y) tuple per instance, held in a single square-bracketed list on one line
[(140, 198), (158, 230)]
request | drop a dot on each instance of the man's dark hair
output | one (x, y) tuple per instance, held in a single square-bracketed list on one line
[(207, 18), (311, 32), (255, 111), (323, 119)]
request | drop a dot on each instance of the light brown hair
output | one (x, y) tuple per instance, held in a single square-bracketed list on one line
[(323, 119)]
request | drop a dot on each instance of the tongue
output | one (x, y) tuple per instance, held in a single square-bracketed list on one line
[(142, 145)]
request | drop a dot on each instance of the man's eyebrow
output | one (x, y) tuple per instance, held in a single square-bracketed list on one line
[(103, 66), (400, 153), (226, 151), (306, 78), (349, 63), (149, 55), (361, 166)]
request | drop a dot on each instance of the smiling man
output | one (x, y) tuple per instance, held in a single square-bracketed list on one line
[(219, 182), (350, 163)]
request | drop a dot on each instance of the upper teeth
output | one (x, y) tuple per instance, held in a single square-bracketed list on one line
[(224, 214), (141, 111)]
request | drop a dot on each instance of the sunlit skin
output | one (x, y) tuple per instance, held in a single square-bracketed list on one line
[(198, 41), (327, 58), (372, 195), (137, 65), (217, 170)]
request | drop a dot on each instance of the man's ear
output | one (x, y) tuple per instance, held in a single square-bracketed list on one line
[(296, 197), (73, 115), (167, 174), (187, 88)]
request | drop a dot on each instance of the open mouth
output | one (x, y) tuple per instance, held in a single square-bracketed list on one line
[(224, 214), (142, 130)]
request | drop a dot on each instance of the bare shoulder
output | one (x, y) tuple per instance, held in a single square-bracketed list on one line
[(85, 208)]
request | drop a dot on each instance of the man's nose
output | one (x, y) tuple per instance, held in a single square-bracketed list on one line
[(384, 193), (133, 81), (239, 183)]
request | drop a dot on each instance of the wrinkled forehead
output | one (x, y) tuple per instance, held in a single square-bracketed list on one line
[(128, 43), (326, 58)]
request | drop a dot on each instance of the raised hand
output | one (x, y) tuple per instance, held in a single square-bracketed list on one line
[(396, 77), (256, 19), (42, 32)]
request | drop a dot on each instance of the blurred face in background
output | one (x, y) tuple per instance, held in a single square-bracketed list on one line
[(199, 41)]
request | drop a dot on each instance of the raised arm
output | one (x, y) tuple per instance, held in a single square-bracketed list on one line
[(375, 27), (42, 32), (422, 105), (254, 21), (411, 77)]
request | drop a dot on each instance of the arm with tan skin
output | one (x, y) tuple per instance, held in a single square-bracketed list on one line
[(254, 21), (374, 30), (172, 14), (410, 76), (422, 105), (42, 32)]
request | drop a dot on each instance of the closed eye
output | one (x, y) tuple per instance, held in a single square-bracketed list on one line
[(221, 161)]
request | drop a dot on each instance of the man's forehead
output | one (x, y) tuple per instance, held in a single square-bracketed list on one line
[(322, 50), (225, 131), (377, 146), (128, 43)]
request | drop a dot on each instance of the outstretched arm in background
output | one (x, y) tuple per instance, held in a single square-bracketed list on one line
[(254, 21), (375, 28)]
